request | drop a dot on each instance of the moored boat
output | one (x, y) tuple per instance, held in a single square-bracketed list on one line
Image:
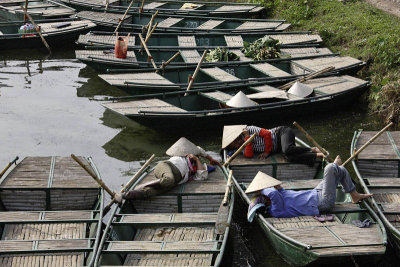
[(303, 240), (38, 9), (378, 172), (201, 109), (56, 32), (177, 228), (51, 213), (182, 24), (197, 8)]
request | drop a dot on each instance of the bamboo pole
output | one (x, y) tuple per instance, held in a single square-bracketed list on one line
[(123, 17), (240, 149), (141, 7), (9, 165), (309, 137), (131, 182), (164, 64), (147, 51), (37, 29), (367, 143), (97, 179), (228, 184), (149, 33), (191, 81), (308, 77)]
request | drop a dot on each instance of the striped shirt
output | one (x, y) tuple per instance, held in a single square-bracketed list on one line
[(259, 142)]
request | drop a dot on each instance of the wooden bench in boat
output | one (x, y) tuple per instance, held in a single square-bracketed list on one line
[(234, 40), (153, 5), (104, 17), (287, 39), (316, 64), (283, 27), (190, 56), (48, 28), (269, 70), (210, 24), (218, 96), (8, 217), (219, 74), (337, 84), (100, 55), (138, 78), (235, 7), (187, 41), (8, 247), (305, 51), (256, 25), (89, 39), (169, 22), (134, 107)]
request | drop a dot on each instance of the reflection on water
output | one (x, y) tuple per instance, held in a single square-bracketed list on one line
[(45, 110)]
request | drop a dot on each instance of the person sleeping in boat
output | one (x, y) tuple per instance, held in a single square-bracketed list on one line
[(282, 203), (279, 139), (183, 166)]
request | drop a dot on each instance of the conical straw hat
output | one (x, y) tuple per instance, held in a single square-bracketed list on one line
[(262, 181), (182, 147), (240, 100), (231, 132), (300, 90)]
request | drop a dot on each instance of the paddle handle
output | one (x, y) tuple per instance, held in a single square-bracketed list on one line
[(97, 179), (228, 184), (196, 71), (240, 149), (8, 166), (37, 29), (147, 51), (123, 17), (164, 64), (367, 143), (309, 137)]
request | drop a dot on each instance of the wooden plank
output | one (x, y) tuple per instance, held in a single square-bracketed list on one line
[(152, 246), (317, 64), (219, 74), (234, 40), (235, 8), (169, 22), (269, 70), (48, 28), (89, 39), (144, 78), (100, 16), (187, 41), (218, 96), (291, 39), (210, 24), (252, 25), (169, 217), (190, 56), (154, 5)]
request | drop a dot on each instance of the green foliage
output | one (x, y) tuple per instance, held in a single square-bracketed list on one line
[(263, 48), (218, 54)]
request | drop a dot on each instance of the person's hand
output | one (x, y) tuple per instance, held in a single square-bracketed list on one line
[(278, 187), (245, 132), (214, 162), (191, 156), (263, 155), (118, 198)]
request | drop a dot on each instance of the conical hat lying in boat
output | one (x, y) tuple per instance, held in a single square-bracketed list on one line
[(300, 90), (231, 132), (182, 147), (240, 100), (262, 181)]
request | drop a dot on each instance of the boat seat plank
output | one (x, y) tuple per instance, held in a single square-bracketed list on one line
[(386, 147), (317, 64), (101, 55), (191, 7), (166, 218), (301, 184), (240, 54), (287, 39), (48, 13), (341, 207), (68, 174), (133, 107), (15, 246), (210, 24), (42, 5), (104, 17), (251, 25), (383, 182), (89, 39), (271, 92), (70, 259), (190, 56), (272, 159), (269, 70), (391, 207), (4, 2), (387, 198), (235, 7), (283, 27), (305, 51), (331, 85), (219, 74), (153, 5), (218, 96), (187, 41), (234, 40), (300, 222), (164, 246), (148, 78), (169, 22), (8, 216), (51, 231), (48, 28)]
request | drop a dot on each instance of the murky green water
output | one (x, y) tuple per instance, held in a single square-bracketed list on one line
[(45, 110)]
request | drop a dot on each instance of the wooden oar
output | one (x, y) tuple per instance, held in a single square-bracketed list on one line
[(130, 183), (239, 150), (147, 51), (97, 179), (26, 8), (8, 166), (37, 29), (196, 71), (141, 7), (164, 64), (367, 143), (123, 17), (307, 77), (309, 137), (223, 211)]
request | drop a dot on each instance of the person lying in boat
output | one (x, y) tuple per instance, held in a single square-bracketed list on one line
[(279, 139), (283, 203), (183, 166)]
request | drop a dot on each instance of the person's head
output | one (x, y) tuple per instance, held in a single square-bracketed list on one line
[(232, 136), (236, 143)]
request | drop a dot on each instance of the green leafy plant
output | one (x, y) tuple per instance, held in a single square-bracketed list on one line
[(218, 54), (263, 48)]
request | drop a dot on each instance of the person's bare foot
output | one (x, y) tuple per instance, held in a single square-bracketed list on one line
[(338, 160), (357, 197)]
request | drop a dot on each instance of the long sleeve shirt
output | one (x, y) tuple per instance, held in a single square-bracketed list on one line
[(290, 203), (262, 143)]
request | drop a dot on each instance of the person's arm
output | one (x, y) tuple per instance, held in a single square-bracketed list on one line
[(267, 141), (248, 150), (209, 158), (275, 197)]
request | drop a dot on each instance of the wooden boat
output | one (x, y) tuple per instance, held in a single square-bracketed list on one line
[(38, 9), (303, 240), (201, 108), (50, 213), (55, 32), (378, 172), (173, 229), (197, 8), (182, 24), (228, 74)]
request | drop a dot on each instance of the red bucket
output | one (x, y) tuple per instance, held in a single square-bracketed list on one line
[(121, 46)]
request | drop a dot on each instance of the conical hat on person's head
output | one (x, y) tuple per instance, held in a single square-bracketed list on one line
[(182, 147), (262, 181), (240, 100), (231, 132), (300, 90)]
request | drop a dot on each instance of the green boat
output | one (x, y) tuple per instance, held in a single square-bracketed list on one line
[(176, 78), (378, 172), (182, 24), (197, 8), (177, 228), (303, 240), (51, 213)]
